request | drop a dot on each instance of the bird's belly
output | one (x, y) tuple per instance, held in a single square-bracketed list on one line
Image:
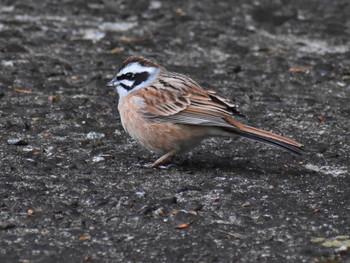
[(162, 137)]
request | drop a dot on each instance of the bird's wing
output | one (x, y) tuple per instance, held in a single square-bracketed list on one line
[(187, 103), (180, 100)]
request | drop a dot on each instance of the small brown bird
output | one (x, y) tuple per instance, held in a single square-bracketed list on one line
[(167, 112)]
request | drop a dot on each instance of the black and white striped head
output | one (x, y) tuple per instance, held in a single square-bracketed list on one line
[(135, 73)]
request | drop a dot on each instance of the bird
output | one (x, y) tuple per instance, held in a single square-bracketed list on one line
[(169, 113)]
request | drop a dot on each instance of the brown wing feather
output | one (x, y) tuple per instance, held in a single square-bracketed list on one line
[(158, 103), (179, 99)]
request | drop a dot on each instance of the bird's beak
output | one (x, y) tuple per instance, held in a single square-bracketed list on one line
[(113, 83)]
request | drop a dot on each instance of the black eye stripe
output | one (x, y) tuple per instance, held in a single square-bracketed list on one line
[(122, 77), (137, 79), (128, 76), (140, 77), (131, 76)]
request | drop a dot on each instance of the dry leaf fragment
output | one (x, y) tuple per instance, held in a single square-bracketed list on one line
[(342, 237), (21, 90), (54, 98), (299, 69), (84, 238), (185, 211), (192, 213), (320, 118), (246, 204), (182, 226), (87, 259), (130, 39), (332, 243), (115, 51)]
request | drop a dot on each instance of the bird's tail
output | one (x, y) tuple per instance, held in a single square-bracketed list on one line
[(264, 136)]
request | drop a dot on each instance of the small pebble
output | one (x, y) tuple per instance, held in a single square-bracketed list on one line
[(140, 194), (17, 141), (95, 135), (97, 159), (342, 248)]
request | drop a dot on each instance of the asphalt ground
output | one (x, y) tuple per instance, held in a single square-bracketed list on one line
[(73, 187)]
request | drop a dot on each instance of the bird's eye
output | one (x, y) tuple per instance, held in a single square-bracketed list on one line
[(129, 75)]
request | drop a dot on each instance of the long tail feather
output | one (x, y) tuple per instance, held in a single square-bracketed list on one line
[(264, 136)]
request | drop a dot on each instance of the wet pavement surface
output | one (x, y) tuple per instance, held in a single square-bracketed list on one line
[(72, 185)]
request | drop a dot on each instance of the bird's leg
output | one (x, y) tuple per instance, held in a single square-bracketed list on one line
[(163, 159)]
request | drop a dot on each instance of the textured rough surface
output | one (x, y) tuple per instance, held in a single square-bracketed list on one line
[(72, 186)]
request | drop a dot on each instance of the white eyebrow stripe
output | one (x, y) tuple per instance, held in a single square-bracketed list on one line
[(135, 68)]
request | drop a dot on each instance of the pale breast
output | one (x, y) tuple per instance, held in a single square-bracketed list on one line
[(160, 137)]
